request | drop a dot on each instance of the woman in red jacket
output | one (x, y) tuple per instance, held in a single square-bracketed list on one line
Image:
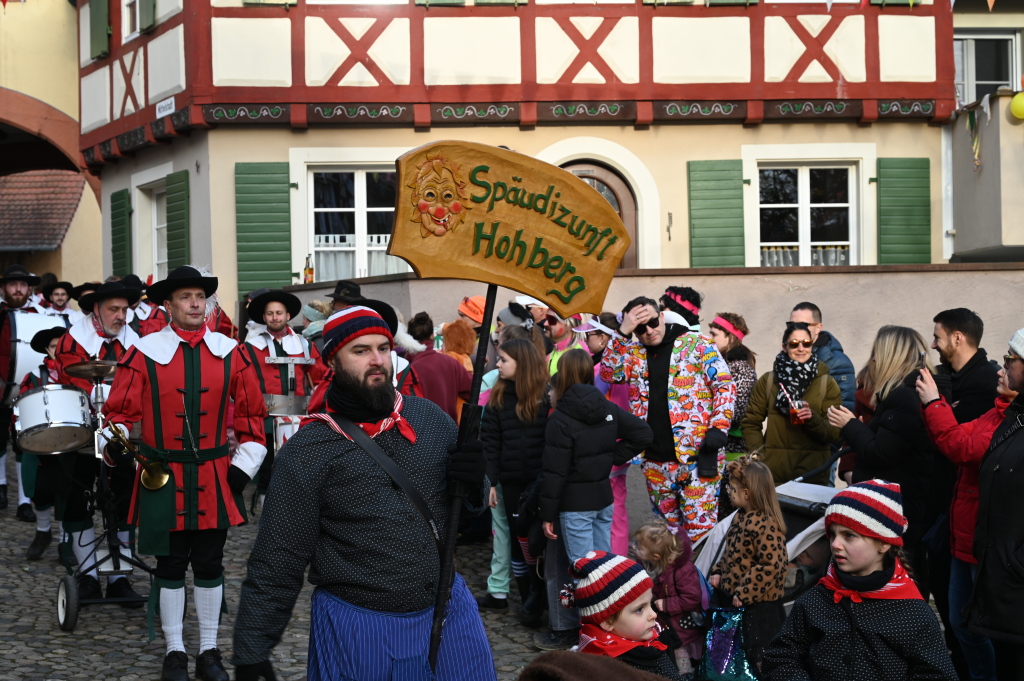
[(964, 444)]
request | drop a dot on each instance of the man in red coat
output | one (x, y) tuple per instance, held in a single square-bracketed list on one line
[(178, 383), (101, 335), (274, 338)]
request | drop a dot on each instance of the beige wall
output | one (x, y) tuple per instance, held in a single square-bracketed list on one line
[(854, 304), (660, 151), (79, 257), (39, 52)]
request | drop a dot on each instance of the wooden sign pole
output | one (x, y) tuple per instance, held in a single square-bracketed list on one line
[(469, 430)]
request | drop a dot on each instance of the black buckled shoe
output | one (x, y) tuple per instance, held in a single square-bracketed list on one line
[(209, 666), (88, 588), (489, 602), (122, 588), (25, 513), (175, 667), (38, 546)]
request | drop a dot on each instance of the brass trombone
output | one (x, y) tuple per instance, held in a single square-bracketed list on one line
[(153, 474)]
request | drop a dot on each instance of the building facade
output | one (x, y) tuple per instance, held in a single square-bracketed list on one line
[(254, 136)]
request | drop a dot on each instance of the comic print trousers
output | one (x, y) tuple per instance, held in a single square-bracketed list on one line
[(686, 501)]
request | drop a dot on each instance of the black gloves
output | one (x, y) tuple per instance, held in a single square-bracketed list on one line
[(254, 672), (237, 480), (466, 468), (707, 457)]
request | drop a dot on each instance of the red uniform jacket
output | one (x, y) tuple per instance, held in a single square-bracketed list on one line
[(181, 395), (5, 339), (965, 445)]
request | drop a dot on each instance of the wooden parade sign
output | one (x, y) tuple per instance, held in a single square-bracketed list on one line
[(471, 211)]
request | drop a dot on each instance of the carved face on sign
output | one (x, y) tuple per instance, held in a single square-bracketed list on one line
[(439, 195)]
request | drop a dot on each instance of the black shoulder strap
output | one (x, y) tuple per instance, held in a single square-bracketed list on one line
[(381, 458)]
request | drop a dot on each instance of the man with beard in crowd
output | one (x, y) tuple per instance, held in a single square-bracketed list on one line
[(333, 509), (58, 298), (956, 338)]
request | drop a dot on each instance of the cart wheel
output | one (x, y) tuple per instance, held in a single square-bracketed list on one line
[(67, 603)]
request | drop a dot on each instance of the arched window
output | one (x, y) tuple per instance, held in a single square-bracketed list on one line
[(618, 193)]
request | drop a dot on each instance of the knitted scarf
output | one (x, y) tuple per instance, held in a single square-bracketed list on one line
[(893, 583), (796, 377), (596, 641)]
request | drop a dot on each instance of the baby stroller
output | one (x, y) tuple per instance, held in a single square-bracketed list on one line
[(803, 509)]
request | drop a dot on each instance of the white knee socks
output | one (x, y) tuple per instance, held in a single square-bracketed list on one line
[(3, 468), (208, 602), (82, 543), (43, 519), (22, 499), (172, 612)]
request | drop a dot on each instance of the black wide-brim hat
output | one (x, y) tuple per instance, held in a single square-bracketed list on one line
[(386, 312), (347, 292), (112, 289), (258, 305), (133, 281), (80, 290), (18, 273), (50, 288), (181, 277), (43, 338)]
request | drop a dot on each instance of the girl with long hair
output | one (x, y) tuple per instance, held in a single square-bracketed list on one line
[(894, 445), (794, 398), (752, 568), (512, 433)]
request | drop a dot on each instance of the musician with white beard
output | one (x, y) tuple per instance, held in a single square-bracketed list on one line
[(101, 335)]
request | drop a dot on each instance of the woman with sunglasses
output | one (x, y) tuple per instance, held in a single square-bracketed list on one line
[(794, 397), (894, 445)]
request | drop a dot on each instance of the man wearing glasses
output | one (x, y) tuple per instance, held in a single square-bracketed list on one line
[(829, 351), (681, 385)]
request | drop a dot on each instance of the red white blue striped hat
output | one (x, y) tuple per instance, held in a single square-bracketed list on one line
[(873, 508), (346, 325), (606, 583)]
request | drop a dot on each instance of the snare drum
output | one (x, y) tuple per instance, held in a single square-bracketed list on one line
[(25, 325), (53, 419)]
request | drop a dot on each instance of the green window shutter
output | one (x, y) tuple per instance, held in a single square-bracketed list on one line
[(147, 14), (263, 226), (178, 252), (904, 211), (716, 213), (99, 28), (121, 232)]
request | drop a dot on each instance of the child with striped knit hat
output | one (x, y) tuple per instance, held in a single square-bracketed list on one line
[(865, 620), (613, 595)]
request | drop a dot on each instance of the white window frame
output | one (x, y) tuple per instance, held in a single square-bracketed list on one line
[(804, 206), (863, 202), (360, 209), (155, 194), (969, 36), (128, 8)]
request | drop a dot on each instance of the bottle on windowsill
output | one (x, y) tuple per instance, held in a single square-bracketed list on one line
[(307, 272)]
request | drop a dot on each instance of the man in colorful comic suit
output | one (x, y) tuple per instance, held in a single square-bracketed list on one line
[(681, 385), (178, 383), (274, 338), (102, 334), (16, 286), (35, 476)]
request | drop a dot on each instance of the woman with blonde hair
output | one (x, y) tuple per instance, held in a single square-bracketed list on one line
[(894, 445)]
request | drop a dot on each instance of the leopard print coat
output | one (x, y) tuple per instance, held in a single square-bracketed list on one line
[(753, 565)]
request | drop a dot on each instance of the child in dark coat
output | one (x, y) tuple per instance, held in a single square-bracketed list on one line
[(613, 595), (865, 620), (677, 586)]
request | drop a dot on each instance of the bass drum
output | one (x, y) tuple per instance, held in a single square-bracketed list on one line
[(25, 360)]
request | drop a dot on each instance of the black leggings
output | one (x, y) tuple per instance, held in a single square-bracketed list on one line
[(204, 549)]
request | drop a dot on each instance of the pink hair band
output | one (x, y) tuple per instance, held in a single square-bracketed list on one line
[(728, 327), (685, 303)]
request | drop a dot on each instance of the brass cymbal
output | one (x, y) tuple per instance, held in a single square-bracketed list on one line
[(94, 370)]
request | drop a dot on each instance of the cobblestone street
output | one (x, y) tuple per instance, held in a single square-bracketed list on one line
[(110, 642)]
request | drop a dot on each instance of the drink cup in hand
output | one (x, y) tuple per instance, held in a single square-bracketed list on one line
[(795, 409)]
